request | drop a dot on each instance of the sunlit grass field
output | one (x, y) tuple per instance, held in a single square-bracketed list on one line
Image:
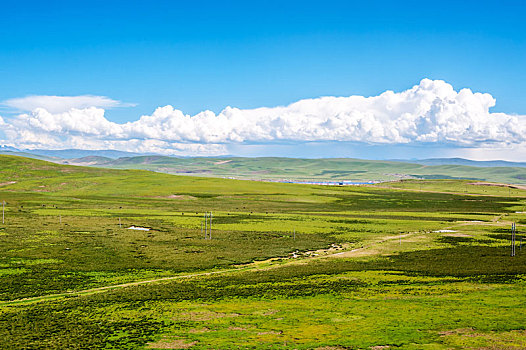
[(411, 264)]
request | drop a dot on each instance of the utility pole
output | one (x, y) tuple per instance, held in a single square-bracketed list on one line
[(513, 239), (120, 225), (206, 227), (210, 235), (3, 209)]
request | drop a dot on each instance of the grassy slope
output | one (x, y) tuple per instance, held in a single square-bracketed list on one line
[(31, 155), (308, 169), (402, 295)]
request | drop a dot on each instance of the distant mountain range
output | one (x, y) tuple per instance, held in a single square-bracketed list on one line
[(112, 154), (279, 169), (69, 153), (462, 161)]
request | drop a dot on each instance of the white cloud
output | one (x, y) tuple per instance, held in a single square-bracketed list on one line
[(59, 104), (514, 153), (430, 112)]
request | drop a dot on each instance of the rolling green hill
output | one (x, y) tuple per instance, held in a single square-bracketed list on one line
[(334, 169)]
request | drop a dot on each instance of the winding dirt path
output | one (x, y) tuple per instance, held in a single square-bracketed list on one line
[(254, 266)]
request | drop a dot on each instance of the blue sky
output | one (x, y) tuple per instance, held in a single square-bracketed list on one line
[(205, 55)]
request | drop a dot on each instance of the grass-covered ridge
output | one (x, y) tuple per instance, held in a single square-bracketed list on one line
[(366, 267), (335, 169)]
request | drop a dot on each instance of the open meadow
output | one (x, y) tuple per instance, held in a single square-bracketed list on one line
[(415, 264)]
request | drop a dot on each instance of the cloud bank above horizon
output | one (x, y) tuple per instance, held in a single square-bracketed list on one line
[(431, 112), (60, 104)]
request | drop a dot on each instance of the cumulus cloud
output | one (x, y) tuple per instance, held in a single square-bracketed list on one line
[(430, 112), (59, 104)]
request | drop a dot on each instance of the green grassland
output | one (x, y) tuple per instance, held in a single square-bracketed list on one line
[(288, 266), (335, 169)]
